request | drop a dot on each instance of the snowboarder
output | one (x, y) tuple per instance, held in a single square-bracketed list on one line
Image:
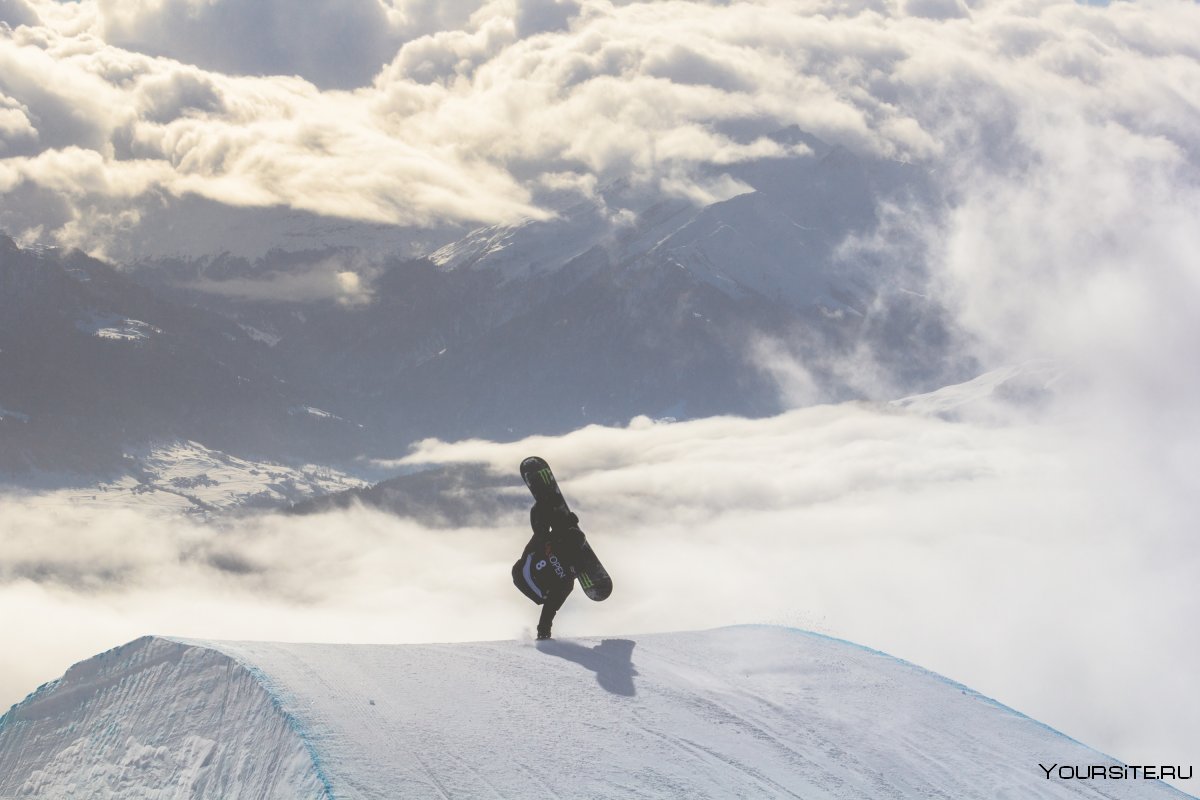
[(546, 570), (558, 553)]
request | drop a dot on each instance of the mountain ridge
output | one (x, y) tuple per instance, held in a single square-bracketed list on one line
[(627, 303)]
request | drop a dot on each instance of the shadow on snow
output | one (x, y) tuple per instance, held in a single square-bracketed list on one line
[(611, 660)]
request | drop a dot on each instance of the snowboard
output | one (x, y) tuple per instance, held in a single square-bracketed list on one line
[(593, 577)]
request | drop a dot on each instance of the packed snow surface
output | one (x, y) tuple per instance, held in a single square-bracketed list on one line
[(756, 712)]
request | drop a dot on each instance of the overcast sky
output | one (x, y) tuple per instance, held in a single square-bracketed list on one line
[(1050, 562)]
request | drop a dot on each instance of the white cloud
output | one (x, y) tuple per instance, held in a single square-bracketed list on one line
[(332, 279), (16, 130), (164, 98), (469, 104)]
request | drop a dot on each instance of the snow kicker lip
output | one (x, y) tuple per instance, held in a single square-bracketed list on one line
[(157, 715), (754, 711)]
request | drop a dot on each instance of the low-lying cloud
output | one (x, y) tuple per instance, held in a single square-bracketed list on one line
[(345, 280)]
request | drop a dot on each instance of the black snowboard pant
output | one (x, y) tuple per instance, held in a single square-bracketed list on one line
[(554, 602), (550, 603)]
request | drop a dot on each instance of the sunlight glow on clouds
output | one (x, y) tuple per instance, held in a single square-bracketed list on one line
[(456, 111)]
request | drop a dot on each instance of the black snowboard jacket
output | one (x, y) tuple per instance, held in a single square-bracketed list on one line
[(545, 572)]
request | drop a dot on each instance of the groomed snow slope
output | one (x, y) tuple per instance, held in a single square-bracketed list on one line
[(754, 712)]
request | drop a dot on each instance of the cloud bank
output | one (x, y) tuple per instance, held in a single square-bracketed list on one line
[(338, 278), (414, 113)]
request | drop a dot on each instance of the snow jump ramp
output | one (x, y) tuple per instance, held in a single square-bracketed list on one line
[(753, 712)]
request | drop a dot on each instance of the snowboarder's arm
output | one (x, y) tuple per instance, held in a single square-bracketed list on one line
[(541, 529), (543, 517), (539, 520)]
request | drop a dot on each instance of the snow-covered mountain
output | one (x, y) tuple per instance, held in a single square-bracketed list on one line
[(189, 478), (994, 394), (735, 712), (775, 238), (92, 363), (627, 303)]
